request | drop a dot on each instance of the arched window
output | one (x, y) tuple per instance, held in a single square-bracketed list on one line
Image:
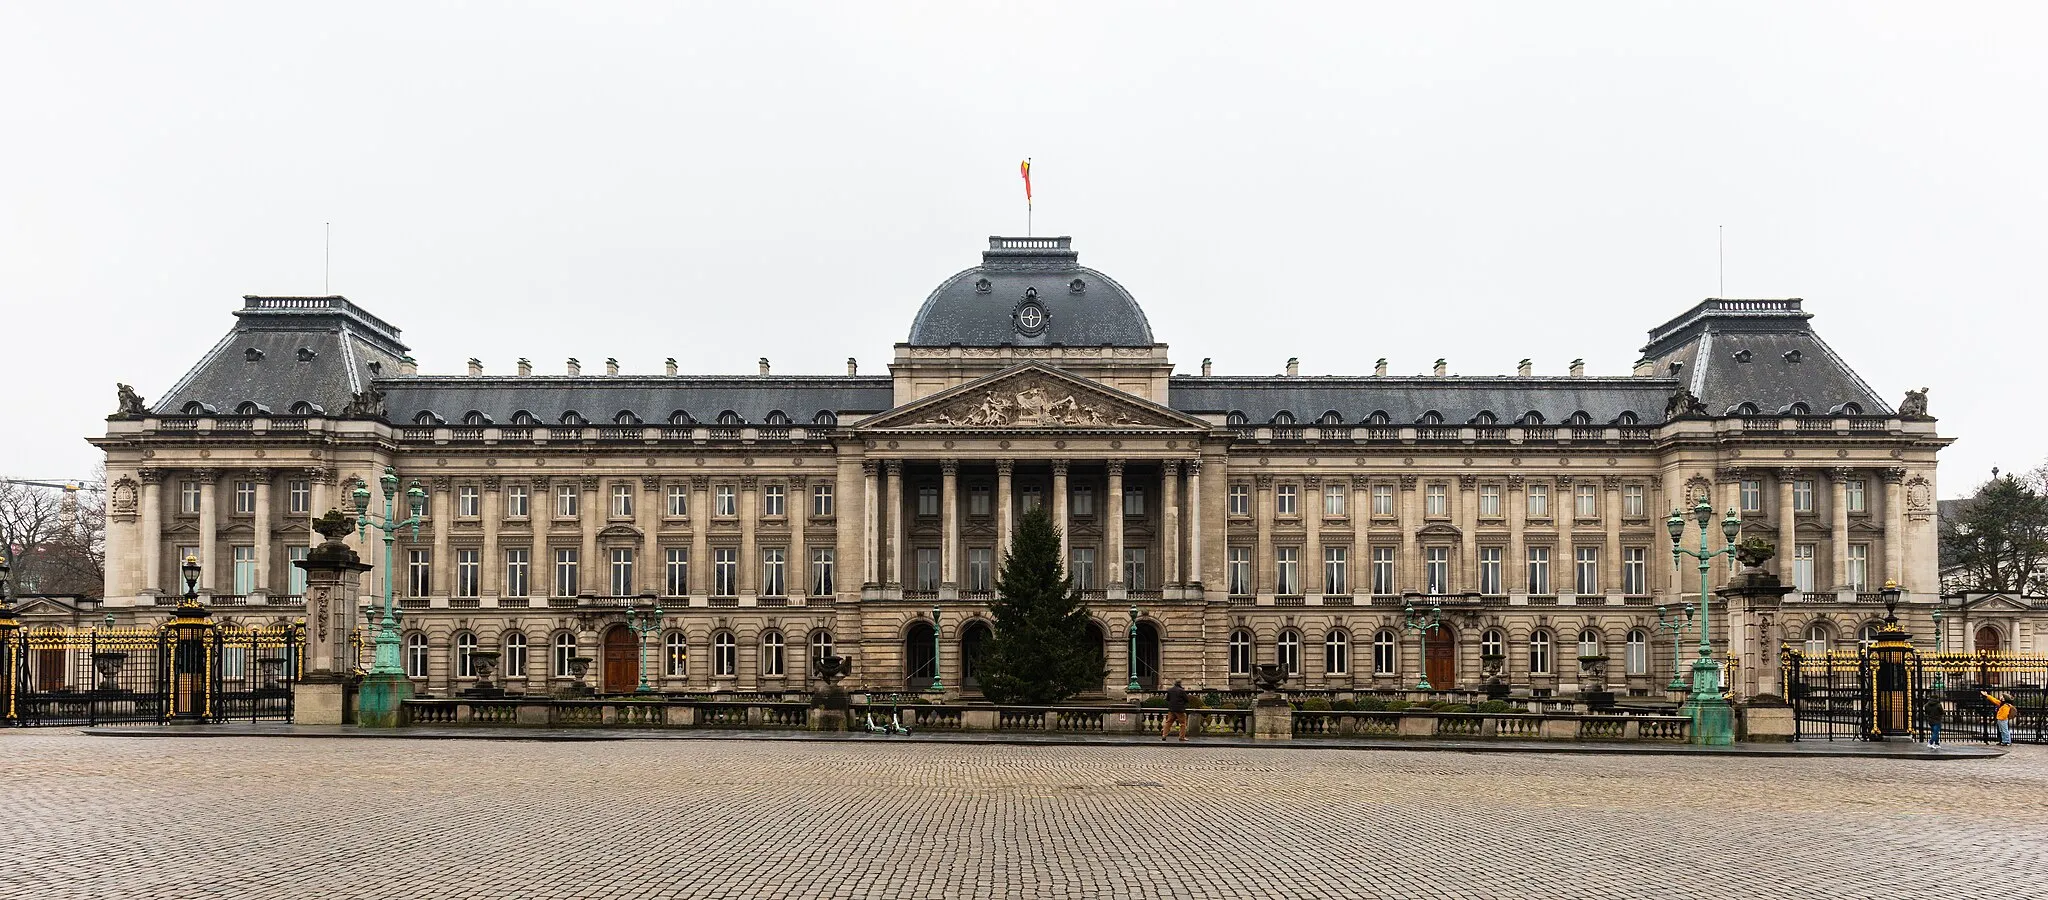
[(1798, 409), (1485, 417), (1240, 652), (1493, 643), (475, 418), (416, 655), (465, 655), (302, 408), (250, 408), (1531, 417), (1288, 651), (777, 417), (1638, 652), (565, 650), (1867, 635), (1627, 417), (1818, 639), (424, 418), (1589, 642), (1386, 652), (771, 654), (1539, 653), (675, 654), (514, 653), (1852, 409), (1236, 419), (725, 656), (821, 644), (1336, 652), (826, 418), (523, 417), (1579, 418), (1746, 409), (625, 417)]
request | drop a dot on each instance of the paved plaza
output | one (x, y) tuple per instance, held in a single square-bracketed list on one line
[(255, 817)]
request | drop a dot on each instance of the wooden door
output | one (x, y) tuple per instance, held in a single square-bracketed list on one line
[(621, 661), (1440, 661)]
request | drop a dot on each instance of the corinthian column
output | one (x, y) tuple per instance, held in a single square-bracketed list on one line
[(1114, 545), (1059, 509)]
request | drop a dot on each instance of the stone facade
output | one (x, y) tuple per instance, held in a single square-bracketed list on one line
[(1280, 518)]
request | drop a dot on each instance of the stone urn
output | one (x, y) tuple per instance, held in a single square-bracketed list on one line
[(1272, 715), (1593, 683), (830, 709), (108, 663), (1492, 681), (579, 667), (485, 664)]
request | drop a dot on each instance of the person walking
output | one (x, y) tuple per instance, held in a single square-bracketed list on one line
[(2004, 711), (1176, 711), (1931, 714)]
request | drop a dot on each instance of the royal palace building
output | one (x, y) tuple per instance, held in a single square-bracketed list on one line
[(1230, 520)]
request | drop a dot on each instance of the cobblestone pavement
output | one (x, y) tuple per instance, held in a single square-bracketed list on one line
[(113, 817)]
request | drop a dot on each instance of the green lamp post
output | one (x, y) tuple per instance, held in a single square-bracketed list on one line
[(937, 687), (385, 689), (1134, 686), (1677, 627), (643, 620), (1422, 625), (1713, 720)]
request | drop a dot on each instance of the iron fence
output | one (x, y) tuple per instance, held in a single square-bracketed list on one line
[(1858, 694), (56, 675)]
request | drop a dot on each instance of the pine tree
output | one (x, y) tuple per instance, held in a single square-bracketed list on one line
[(1997, 541), (1040, 651)]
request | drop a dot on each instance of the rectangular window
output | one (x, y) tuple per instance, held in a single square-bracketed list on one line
[(724, 501), (1134, 568), (1383, 571), (419, 573), (1240, 500), (821, 500), (927, 569), (245, 570), (1286, 577), (1587, 501), (1489, 571), (1859, 567), (1586, 571), (928, 501), (622, 571), (1437, 569), (1751, 494), (1034, 497), (1635, 570), (566, 497), (468, 501), (1539, 501), (821, 572), (1383, 500), (678, 501), (469, 566), (977, 500), (1489, 501), (566, 580), (1134, 501), (1283, 500), (515, 502), (1539, 570), (725, 572), (773, 563), (188, 496), (299, 494), (1084, 501), (1632, 504), (1333, 500), (622, 500), (518, 568), (1084, 568), (1638, 658), (1436, 501), (678, 565), (1802, 496), (245, 497), (297, 575), (1241, 571), (1852, 495), (772, 500), (1334, 580), (980, 568), (1802, 567)]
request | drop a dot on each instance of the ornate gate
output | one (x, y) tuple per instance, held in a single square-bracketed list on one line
[(53, 675), (1857, 695)]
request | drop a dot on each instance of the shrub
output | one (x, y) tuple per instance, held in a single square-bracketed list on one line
[(1497, 706), (1371, 704), (1397, 705), (1313, 704), (1152, 702), (1344, 705), (1452, 707)]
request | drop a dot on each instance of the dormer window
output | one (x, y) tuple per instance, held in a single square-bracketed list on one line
[(424, 418), (1579, 418), (253, 355), (777, 417), (1331, 417), (1791, 356), (251, 408), (625, 417), (475, 419), (1378, 417), (523, 417), (826, 418), (573, 417), (1627, 417), (1430, 418), (1743, 356), (1485, 418), (306, 354), (1236, 419), (730, 418), (1283, 417), (1531, 417)]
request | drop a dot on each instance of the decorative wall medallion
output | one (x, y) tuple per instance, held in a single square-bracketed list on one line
[(746, 460), (205, 453), (491, 461), (1844, 454), (797, 461), (146, 454), (1059, 445), (441, 462), (1263, 460), (949, 445), (1113, 445), (1898, 454), (1613, 461), (1788, 453), (700, 460), (1003, 444), (1407, 460), (542, 461), (1359, 461), (1172, 444), (892, 445), (650, 461), (313, 453), (590, 460), (1468, 460), (1514, 460), (1735, 453), (1311, 460), (1564, 460), (1030, 316), (259, 453)]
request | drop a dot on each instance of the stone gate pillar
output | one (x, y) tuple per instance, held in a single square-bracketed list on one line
[(332, 585), (1753, 597)]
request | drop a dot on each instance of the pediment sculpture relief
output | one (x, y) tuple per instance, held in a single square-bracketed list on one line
[(1029, 407)]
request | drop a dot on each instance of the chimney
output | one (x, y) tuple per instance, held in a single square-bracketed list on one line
[(852, 366), (1578, 368), (1439, 369), (575, 368), (611, 365), (1380, 368), (525, 366), (1205, 366), (1293, 366), (764, 365), (1525, 368), (406, 366), (1645, 368), (476, 367), (671, 364)]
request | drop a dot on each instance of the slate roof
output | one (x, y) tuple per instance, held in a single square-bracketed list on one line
[(318, 350), (978, 306), (651, 399), (1405, 400), (1759, 352)]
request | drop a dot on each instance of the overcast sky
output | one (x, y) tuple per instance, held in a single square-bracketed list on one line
[(726, 181)]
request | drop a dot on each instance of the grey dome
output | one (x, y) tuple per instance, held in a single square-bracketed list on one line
[(1030, 292)]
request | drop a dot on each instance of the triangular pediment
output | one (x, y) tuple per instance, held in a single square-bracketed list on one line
[(1032, 397), (1981, 604)]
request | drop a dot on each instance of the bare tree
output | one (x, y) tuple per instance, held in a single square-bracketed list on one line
[(54, 540)]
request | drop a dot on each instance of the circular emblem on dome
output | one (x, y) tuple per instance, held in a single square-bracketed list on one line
[(1077, 286), (983, 285), (1030, 316)]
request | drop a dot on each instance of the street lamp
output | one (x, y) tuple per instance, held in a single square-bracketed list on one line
[(1134, 686), (1670, 623), (1938, 642), (1423, 625), (1713, 721), (385, 689), (190, 569), (642, 622), (937, 686)]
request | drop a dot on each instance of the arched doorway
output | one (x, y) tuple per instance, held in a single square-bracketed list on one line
[(1987, 640), (973, 645), (920, 658), (1148, 656), (1097, 641), (621, 661), (1440, 658)]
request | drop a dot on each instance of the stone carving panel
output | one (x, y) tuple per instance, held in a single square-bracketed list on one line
[(1030, 406)]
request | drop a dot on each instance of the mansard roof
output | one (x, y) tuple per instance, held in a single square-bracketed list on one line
[(287, 350), (1759, 352), (1406, 400), (650, 399)]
